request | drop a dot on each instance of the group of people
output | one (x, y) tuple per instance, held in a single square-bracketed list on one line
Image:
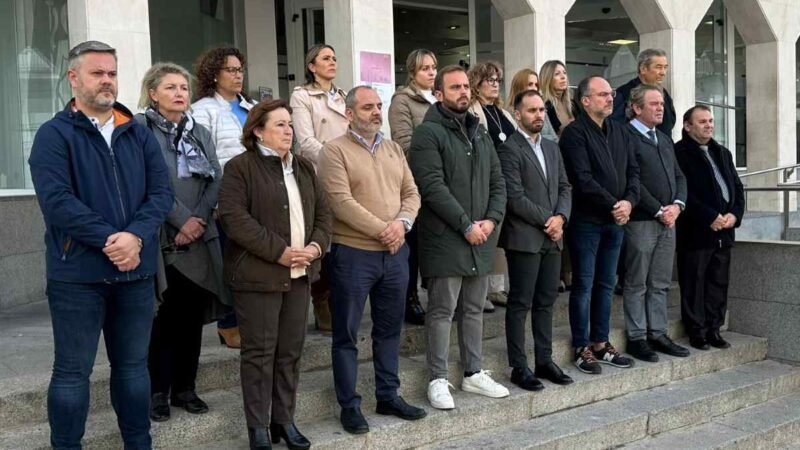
[(240, 211)]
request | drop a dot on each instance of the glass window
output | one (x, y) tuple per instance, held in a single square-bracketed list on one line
[(711, 69), (34, 43), (601, 39), (180, 30)]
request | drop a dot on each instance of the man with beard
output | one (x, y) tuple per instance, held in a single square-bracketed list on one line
[(375, 201), (650, 235), (104, 191), (539, 203), (463, 194)]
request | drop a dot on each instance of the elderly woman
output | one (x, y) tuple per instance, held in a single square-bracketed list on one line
[(485, 80), (406, 112), (222, 108), (278, 223), (318, 114), (190, 249)]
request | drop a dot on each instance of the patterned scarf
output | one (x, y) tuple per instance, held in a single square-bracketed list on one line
[(190, 155)]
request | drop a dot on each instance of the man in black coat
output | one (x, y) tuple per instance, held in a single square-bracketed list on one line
[(652, 68), (650, 235), (714, 207), (537, 209), (601, 164)]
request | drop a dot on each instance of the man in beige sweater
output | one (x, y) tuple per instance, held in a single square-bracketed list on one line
[(375, 201)]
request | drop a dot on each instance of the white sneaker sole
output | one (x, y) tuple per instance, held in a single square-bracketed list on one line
[(442, 405), (470, 389)]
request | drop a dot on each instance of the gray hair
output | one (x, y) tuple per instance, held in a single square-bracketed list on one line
[(350, 99), (646, 56), (637, 98), (75, 55), (154, 75)]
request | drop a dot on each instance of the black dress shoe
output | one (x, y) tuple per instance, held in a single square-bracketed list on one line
[(715, 340), (415, 315), (259, 439), (159, 407), (639, 349), (398, 407), (698, 343), (289, 432), (189, 401), (523, 377), (552, 373), (664, 344), (353, 421)]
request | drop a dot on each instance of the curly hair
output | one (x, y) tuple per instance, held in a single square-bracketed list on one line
[(482, 72), (207, 67)]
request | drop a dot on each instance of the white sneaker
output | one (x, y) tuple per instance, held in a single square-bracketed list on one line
[(439, 394), (483, 384)]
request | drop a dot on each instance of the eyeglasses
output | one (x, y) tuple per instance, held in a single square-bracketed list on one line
[(611, 94), (494, 81), (234, 70)]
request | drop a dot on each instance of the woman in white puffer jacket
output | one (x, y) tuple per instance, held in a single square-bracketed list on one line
[(223, 105), (222, 108)]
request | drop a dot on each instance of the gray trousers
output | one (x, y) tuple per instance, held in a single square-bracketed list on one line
[(460, 298), (649, 251)]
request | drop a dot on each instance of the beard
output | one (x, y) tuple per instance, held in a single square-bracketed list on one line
[(367, 126), (94, 97), (533, 127), (456, 106)]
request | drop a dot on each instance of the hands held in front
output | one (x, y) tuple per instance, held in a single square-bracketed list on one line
[(669, 214), (622, 212), (481, 229), (298, 257), (554, 227), (123, 250), (393, 236), (723, 222), (191, 231)]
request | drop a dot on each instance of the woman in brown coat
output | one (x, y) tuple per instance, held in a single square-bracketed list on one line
[(406, 112), (278, 223)]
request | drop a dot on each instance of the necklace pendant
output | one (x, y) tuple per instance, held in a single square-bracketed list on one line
[(502, 136)]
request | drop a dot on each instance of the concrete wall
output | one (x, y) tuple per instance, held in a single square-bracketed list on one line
[(22, 271), (764, 295)]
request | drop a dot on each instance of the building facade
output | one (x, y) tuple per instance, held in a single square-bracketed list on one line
[(737, 56)]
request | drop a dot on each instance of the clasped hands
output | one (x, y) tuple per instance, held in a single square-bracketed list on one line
[(669, 214), (480, 231), (293, 257), (393, 236), (123, 249), (723, 222), (621, 212)]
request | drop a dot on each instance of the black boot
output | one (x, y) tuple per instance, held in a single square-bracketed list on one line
[(415, 315), (159, 407), (289, 432), (259, 439)]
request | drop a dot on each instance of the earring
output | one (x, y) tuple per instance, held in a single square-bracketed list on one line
[(215, 80), (260, 139)]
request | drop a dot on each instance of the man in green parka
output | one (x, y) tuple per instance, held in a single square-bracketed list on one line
[(463, 195)]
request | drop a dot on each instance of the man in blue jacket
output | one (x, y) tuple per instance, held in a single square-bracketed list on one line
[(104, 190)]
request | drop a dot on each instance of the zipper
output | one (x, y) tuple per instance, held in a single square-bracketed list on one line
[(67, 245), (116, 180)]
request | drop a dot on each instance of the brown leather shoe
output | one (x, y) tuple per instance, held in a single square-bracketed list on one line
[(322, 316), (230, 337)]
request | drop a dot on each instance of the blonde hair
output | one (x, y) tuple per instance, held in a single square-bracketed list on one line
[(414, 62), (519, 84), (482, 72), (154, 75), (546, 77)]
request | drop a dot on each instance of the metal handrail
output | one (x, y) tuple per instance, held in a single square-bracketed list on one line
[(785, 188), (719, 105), (774, 169)]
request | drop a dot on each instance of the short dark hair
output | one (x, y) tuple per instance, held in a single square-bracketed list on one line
[(518, 99), (439, 80), (583, 86), (350, 98), (75, 53), (687, 116), (207, 67), (256, 118)]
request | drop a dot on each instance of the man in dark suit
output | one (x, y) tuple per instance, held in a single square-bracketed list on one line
[(538, 207), (652, 68), (650, 234), (714, 207)]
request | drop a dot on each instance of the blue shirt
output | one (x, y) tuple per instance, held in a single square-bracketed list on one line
[(238, 111), (642, 128)]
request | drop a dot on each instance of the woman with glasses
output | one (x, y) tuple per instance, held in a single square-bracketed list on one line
[(485, 81), (190, 249), (222, 108), (318, 115)]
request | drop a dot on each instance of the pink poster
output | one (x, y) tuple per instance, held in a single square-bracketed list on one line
[(376, 67)]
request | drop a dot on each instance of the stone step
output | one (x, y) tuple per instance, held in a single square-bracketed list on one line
[(632, 417), (23, 399), (316, 404), (771, 425)]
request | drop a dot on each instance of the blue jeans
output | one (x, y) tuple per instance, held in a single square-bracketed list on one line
[(124, 313), (594, 251), (356, 274)]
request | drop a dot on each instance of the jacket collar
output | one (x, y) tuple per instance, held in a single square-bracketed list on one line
[(315, 90), (242, 101), (412, 92), (122, 115)]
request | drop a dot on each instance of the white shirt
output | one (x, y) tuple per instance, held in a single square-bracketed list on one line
[(428, 96), (297, 222), (536, 146), (106, 129)]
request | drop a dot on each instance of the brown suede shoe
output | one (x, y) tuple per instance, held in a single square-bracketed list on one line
[(322, 316), (230, 337)]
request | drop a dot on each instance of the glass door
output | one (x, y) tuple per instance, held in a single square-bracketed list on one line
[(305, 27)]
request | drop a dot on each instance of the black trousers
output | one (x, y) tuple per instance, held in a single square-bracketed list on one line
[(177, 335), (703, 276), (413, 261), (534, 280)]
